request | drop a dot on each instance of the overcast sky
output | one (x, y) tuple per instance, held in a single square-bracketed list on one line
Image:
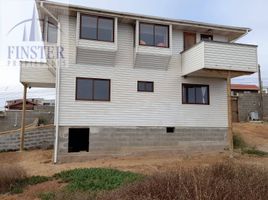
[(247, 13)]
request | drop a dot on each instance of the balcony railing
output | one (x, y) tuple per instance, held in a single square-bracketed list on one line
[(222, 56)]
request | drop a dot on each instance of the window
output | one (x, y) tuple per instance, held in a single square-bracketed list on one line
[(205, 37), (92, 89), (97, 28), (52, 33), (195, 94), (145, 86), (154, 35)]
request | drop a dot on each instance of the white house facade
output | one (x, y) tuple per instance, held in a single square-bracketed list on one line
[(130, 82)]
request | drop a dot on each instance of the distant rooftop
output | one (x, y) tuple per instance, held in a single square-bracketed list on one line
[(244, 87)]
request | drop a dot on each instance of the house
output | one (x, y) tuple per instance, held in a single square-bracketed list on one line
[(243, 89), (129, 82), (16, 104), (48, 102)]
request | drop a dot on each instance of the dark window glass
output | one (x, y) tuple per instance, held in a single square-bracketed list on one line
[(146, 34), (97, 28), (199, 95), (102, 90), (154, 35), (84, 89), (195, 94), (191, 94), (206, 37), (105, 29), (52, 33), (145, 86), (88, 27), (141, 86), (93, 89), (161, 36)]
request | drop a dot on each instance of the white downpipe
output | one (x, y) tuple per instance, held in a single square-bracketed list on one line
[(55, 157)]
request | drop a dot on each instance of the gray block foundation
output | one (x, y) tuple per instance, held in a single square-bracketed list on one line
[(124, 140)]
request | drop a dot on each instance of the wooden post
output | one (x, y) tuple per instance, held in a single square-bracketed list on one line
[(229, 99), (260, 90), (23, 118)]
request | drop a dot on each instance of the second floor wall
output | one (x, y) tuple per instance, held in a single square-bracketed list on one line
[(124, 49)]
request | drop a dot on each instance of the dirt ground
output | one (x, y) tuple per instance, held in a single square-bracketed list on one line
[(39, 162), (255, 134)]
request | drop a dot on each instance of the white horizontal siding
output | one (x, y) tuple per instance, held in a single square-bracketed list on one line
[(230, 56), (95, 57), (128, 107), (193, 59), (220, 38)]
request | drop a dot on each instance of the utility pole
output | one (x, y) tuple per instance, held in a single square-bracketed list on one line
[(260, 90)]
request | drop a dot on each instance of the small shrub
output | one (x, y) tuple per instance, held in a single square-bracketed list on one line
[(42, 120), (67, 195), (96, 179), (254, 151), (10, 175), (220, 181), (239, 142), (22, 183), (47, 196)]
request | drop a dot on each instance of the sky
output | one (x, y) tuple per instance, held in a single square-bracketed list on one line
[(245, 13)]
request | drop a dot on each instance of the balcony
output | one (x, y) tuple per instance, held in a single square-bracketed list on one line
[(37, 74), (217, 59)]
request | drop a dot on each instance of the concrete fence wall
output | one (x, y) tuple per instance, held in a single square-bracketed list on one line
[(11, 120), (251, 103), (39, 137)]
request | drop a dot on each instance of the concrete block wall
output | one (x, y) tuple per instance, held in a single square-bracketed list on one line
[(120, 140), (12, 118), (41, 137), (251, 103)]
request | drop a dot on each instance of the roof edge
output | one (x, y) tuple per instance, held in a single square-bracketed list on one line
[(134, 15)]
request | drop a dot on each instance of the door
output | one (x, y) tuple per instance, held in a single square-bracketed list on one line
[(189, 40), (234, 109)]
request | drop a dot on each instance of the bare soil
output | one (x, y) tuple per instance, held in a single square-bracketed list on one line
[(255, 134), (39, 162)]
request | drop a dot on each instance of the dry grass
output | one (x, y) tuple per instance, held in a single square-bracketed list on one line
[(219, 181), (9, 175)]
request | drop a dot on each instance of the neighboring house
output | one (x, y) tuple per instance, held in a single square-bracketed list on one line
[(133, 82), (243, 89), (48, 102), (16, 104)]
